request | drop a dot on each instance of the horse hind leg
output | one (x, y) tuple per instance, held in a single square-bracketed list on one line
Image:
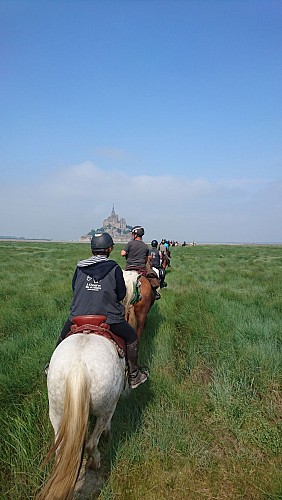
[(107, 430), (103, 424)]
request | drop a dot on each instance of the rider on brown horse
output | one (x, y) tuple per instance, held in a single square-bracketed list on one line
[(164, 248), (155, 257), (136, 253)]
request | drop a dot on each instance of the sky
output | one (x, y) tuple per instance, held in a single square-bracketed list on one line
[(169, 109)]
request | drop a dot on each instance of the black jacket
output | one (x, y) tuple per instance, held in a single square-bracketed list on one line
[(98, 289)]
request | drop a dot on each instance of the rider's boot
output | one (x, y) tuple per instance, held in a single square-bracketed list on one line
[(46, 368), (137, 375), (162, 278), (163, 284)]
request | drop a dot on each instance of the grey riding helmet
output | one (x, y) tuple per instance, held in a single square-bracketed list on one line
[(101, 241), (138, 231)]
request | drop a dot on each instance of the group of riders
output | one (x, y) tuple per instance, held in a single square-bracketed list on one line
[(98, 289), (147, 262)]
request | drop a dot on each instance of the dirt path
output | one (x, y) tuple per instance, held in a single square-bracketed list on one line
[(90, 483)]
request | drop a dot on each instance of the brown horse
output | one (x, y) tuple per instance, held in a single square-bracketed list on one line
[(165, 261), (137, 313)]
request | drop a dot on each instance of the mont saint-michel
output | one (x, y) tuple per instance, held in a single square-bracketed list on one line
[(115, 226)]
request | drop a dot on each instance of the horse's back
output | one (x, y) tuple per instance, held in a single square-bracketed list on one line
[(97, 357)]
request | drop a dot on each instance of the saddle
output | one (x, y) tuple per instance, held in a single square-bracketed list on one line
[(96, 324)]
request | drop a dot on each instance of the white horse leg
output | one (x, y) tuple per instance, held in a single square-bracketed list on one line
[(107, 430), (103, 424)]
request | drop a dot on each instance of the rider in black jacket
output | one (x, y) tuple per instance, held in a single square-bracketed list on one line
[(155, 256), (98, 288)]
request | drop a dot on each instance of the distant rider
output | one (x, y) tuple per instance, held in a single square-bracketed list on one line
[(155, 257), (164, 248), (136, 253)]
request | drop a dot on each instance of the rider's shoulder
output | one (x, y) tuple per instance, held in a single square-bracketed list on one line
[(113, 263)]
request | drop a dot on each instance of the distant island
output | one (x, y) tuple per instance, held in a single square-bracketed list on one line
[(117, 227), (22, 238)]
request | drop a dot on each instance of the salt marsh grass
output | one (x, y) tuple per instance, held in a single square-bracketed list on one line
[(208, 423)]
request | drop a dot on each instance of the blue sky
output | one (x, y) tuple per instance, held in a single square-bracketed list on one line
[(171, 110)]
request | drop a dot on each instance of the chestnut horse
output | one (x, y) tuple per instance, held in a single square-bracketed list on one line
[(137, 313), (165, 261)]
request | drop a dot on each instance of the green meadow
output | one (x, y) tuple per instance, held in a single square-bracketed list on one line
[(207, 425)]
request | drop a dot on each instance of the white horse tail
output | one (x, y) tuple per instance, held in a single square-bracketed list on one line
[(70, 439)]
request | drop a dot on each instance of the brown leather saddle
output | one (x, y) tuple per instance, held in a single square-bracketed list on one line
[(96, 324)]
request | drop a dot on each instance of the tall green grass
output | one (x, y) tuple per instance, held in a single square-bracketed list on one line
[(207, 425)]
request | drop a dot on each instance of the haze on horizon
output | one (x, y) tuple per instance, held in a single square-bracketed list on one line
[(170, 110)]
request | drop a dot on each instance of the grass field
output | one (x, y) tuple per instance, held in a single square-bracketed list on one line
[(208, 423)]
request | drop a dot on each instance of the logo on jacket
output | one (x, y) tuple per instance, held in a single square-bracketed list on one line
[(92, 285)]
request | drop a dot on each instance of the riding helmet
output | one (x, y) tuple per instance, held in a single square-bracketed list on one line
[(138, 230), (101, 241), (154, 243)]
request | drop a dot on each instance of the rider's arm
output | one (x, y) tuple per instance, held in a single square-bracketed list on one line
[(147, 257), (124, 252), (121, 288), (74, 279)]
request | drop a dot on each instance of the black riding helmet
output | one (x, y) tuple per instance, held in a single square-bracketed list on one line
[(101, 241), (138, 231), (154, 243)]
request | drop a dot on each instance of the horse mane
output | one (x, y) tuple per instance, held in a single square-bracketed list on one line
[(130, 278)]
